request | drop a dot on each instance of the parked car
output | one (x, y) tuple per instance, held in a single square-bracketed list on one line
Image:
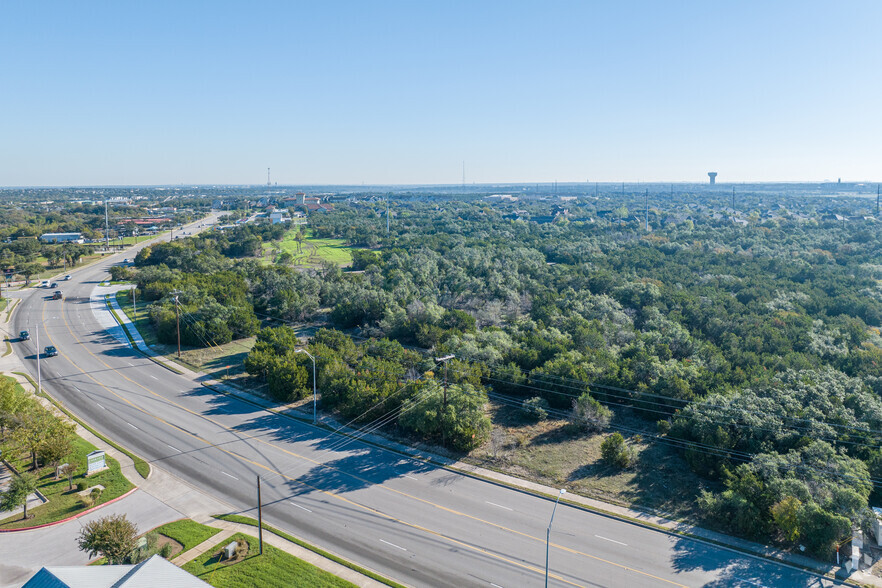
[(56, 295), (50, 351), (24, 335), (67, 277)]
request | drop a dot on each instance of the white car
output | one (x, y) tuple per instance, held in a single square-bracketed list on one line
[(67, 277)]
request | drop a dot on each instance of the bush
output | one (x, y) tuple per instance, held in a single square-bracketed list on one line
[(166, 550), (588, 414), (81, 486), (535, 408), (664, 427), (616, 452)]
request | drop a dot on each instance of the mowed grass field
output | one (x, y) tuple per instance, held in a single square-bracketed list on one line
[(314, 251)]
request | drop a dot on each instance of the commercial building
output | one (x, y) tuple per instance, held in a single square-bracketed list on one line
[(62, 238)]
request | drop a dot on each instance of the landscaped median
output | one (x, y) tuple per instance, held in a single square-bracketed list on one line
[(141, 466)]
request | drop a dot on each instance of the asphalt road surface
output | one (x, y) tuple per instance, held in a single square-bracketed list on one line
[(418, 524)]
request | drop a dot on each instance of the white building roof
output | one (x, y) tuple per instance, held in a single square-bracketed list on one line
[(156, 571)]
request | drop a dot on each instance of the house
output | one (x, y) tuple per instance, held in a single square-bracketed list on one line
[(156, 571), (62, 238), (279, 216)]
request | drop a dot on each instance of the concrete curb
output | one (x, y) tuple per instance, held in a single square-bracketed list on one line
[(76, 516)]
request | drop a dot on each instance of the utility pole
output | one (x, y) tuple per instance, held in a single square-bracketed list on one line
[(134, 307), (106, 227), (444, 359), (548, 533), (178, 321), (260, 518), (39, 375)]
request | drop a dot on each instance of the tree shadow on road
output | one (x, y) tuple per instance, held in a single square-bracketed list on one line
[(736, 570)]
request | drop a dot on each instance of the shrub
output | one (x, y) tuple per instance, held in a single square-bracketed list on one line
[(616, 452), (81, 486), (588, 414), (664, 427), (535, 408), (166, 550)]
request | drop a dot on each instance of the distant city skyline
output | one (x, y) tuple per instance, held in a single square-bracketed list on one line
[(397, 93)]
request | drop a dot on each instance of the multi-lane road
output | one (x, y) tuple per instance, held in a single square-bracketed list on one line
[(419, 524)]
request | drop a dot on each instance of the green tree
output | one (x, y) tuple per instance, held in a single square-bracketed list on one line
[(460, 421), (57, 443), (111, 536), (616, 452), (16, 494), (13, 402), (785, 513)]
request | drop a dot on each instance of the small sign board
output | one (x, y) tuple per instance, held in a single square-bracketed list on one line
[(95, 462)]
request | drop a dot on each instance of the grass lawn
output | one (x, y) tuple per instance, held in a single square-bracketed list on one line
[(3, 303), (274, 568), (212, 360), (314, 251), (552, 453), (62, 503), (186, 532)]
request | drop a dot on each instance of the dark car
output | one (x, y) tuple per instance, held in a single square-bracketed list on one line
[(56, 295), (51, 351), (24, 335)]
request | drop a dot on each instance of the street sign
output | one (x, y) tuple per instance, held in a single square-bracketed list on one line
[(95, 462)]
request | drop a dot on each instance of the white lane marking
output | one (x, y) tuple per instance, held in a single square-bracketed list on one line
[(131, 425), (77, 389), (230, 475), (175, 448), (749, 581), (411, 477), (393, 545), (99, 406), (154, 377), (611, 540), (130, 364), (498, 505), (496, 585), (300, 507)]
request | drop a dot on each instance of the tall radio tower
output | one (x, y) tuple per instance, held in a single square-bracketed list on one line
[(268, 178)]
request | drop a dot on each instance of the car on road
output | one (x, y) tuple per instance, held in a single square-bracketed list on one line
[(50, 351), (127, 260), (67, 277), (56, 295), (53, 285), (44, 284), (24, 335)]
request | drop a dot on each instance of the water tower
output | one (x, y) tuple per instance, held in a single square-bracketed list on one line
[(713, 177)]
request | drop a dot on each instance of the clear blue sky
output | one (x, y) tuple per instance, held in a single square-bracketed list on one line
[(104, 93)]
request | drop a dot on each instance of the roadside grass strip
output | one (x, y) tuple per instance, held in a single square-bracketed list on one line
[(274, 568), (355, 567), (187, 532)]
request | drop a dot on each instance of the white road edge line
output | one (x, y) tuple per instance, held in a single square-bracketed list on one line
[(99, 406), (175, 448), (411, 477), (230, 475), (300, 507), (498, 505), (131, 425), (393, 545), (611, 540), (496, 585)]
